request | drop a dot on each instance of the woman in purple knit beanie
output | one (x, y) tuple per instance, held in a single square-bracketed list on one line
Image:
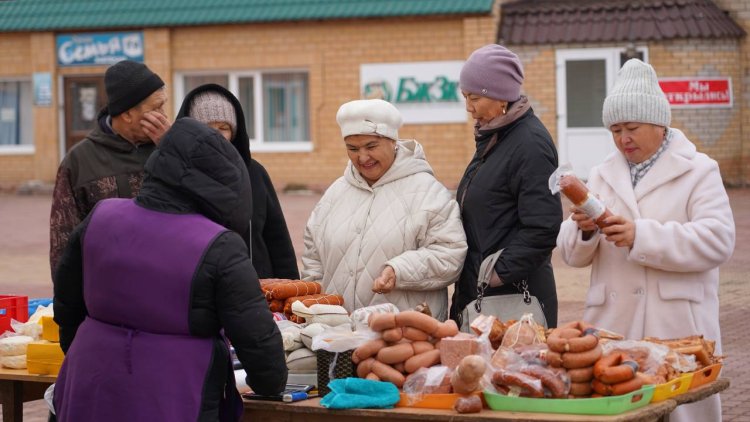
[(510, 218)]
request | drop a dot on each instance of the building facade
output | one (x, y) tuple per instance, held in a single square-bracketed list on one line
[(293, 66)]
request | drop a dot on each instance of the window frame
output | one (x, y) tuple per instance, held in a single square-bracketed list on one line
[(258, 143), (21, 149)]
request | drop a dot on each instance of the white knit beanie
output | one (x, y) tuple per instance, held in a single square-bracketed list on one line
[(636, 97), (369, 117), (212, 106)]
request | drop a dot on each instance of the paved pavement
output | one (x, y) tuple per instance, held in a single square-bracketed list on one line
[(24, 269)]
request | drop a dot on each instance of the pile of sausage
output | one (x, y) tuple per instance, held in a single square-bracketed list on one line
[(575, 347), (281, 293), (616, 374), (407, 343)]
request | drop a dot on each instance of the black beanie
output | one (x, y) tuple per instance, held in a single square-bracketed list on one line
[(127, 84)]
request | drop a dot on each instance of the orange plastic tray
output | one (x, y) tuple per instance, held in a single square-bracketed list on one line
[(672, 388), (433, 401), (705, 375)]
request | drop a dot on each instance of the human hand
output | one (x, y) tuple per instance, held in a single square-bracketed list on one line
[(386, 282), (620, 230), (155, 125), (585, 223)]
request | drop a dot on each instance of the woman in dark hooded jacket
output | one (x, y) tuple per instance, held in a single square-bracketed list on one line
[(145, 287), (271, 250), (508, 211)]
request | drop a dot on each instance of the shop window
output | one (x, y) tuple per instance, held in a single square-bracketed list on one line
[(16, 123), (275, 104), (586, 88)]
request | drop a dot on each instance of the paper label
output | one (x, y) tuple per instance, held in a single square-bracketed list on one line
[(593, 207)]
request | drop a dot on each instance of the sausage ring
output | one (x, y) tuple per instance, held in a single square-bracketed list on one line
[(581, 359), (615, 368)]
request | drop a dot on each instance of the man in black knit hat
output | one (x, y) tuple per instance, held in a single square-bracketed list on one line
[(109, 161)]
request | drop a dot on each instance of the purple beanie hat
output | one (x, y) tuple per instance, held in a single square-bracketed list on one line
[(493, 71)]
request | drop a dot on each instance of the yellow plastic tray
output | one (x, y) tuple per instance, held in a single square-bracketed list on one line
[(672, 388), (705, 375)]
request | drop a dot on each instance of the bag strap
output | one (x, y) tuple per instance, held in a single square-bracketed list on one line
[(522, 287)]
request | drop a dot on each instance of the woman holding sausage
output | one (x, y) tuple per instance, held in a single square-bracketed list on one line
[(387, 230), (504, 195), (658, 260)]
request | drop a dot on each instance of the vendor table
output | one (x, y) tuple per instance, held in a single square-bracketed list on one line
[(18, 386), (311, 411)]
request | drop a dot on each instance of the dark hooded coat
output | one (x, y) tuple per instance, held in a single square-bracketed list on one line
[(194, 174), (271, 246)]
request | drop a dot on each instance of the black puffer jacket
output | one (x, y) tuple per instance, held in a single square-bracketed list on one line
[(196, 171), (506, 203), (272, 251)]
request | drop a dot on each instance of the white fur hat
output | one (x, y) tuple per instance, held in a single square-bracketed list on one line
[(636, 97), (369, 117)]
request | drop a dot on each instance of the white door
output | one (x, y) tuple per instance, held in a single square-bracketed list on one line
[(584, 77)]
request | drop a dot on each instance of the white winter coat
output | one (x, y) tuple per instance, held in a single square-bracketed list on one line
[(407, 219), (667, 284)]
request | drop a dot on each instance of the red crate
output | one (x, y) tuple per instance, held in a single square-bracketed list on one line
[(16, 307)]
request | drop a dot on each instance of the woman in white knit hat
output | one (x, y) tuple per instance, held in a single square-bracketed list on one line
[(270, 245), (655, 269), (387, 230)]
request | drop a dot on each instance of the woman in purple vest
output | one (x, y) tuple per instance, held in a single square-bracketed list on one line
[(146, 285)]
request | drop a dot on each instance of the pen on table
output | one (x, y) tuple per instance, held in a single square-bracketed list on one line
[(296, 396)]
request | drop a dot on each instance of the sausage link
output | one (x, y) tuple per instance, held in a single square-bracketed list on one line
[(558, 339), (418, 320), (367, 349), (581, 374), (580, 388), (422, 360), (381, 322), (387, 373), (396, 353), (414, 334), (531, 386), (446, 329), (468, 404), (393, 335), (615, 368), (365, 367), (581, 359), (556, 386)]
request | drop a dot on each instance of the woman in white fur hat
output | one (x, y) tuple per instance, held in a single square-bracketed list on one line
[(655, 269), (387, 230)]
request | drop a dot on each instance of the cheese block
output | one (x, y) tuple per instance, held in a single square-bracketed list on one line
[(50, 329), (14, 345), (44, 358)]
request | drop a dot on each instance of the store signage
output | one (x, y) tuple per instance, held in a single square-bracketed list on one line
[(424, 92), (42, 89), (99, 49), (697, 92)]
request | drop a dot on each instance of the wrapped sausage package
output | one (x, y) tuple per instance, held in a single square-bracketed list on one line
[(564, 181), (432, 380)]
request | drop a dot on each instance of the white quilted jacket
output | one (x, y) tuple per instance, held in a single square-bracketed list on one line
[(407, 220)]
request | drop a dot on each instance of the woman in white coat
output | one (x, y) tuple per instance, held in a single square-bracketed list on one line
[(655, 271), (387, 230)]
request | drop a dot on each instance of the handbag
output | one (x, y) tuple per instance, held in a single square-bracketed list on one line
[(503, 307)]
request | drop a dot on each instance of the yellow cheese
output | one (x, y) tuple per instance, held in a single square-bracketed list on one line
[(44, 358), (50, 329)]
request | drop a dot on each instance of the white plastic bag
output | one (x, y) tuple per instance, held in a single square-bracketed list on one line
[(341, 338)]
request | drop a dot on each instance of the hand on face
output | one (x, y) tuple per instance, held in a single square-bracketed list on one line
[(155, 125), (621, 231), (386, 282)]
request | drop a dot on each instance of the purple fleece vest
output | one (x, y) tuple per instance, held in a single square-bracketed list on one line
[(133, 358)]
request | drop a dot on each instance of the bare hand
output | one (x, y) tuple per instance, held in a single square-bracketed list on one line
[(155, 125), (620, 230), (386, 282), (585, 223)]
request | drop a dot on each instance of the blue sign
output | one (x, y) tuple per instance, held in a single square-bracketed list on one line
[(42, 89), (99, 49)]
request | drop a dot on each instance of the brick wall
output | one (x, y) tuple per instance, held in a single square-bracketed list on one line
[(332, 52), (739, 10), (717, 132), (15, 61)]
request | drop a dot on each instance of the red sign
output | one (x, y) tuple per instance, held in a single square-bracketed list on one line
[(697, 92)]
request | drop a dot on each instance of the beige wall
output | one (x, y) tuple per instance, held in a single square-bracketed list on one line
[(717, 132), (331, 52)]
